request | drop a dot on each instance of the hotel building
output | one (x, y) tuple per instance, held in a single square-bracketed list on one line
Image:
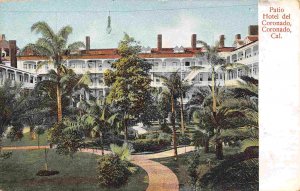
[(184, 60)]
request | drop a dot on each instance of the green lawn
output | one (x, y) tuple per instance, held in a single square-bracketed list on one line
[(78, 173), (25, 141), (180, 166)]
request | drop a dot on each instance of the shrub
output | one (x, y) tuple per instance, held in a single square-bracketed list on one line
[(165, 128), (194, 162), (112, 171), (184, 140), (15, 134), (68, 141), (142, 145), (165, 137), (152, 136)]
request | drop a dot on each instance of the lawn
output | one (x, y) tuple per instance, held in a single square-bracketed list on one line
[(25, 141), (78, 173), (180, 166)]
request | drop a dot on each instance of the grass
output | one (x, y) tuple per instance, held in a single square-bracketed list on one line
[(78, 173), (180, 166), (25, 141)]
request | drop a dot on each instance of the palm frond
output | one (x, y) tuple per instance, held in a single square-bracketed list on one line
[(65, 32), (75, 46), (43, 28)]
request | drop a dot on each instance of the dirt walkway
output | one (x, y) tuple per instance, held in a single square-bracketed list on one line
[(25, 148)]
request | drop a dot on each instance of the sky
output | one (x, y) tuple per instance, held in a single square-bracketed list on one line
[(176, 20)]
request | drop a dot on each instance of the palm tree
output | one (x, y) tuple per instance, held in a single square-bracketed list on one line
[(211, 55), (183, 89), (54, 47), (173, 84)]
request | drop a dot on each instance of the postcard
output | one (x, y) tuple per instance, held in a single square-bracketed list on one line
[(161, 95)]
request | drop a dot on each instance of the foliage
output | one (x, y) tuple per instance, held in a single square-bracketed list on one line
[(165, 128), (39, 130), (13, 106), (144, 145), (67, 141), (53, 46), (184, 140), (15, 134), (122, 152), (129, 82), (193, 163), (238, 172), (112, 171)]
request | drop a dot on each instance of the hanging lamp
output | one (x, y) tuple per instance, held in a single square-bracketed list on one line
[(108, 28)]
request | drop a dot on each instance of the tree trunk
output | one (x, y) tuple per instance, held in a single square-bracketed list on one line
[(38, 141), (125, 131), (174, 128), (59, 94), (102, 146), (206, 146), (219, 150), (46, 159), (32, 134), (181, 114), (213, 90)]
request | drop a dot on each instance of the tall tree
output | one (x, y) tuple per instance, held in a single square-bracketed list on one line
[(129, 82), (54, 47), (211, 55), (173, 84)]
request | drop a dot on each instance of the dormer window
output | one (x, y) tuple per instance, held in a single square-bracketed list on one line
[(178, 49)]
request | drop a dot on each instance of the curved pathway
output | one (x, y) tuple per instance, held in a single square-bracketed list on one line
[(161, 178)]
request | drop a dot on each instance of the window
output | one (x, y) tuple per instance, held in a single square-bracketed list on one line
[(156, 64), (187, 63), (164, 64), (228, 59), (209, 77), (25, 66), (201, 77), (83, 65), (157, 80), (193, 64), (34, 66)]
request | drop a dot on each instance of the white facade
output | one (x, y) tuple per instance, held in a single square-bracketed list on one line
[(190, 67), (27, 79)]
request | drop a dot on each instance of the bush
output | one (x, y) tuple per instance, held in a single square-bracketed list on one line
[(67, 142), (184, 140), (112, 171), (165, 137), (142, 145), (165, 128)]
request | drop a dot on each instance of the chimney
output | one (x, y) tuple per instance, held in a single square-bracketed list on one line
[(87, 43), (238, 37), (2, 37), (194, 41), (159, 42), (13, 53), (222, 41), (253, 30)]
